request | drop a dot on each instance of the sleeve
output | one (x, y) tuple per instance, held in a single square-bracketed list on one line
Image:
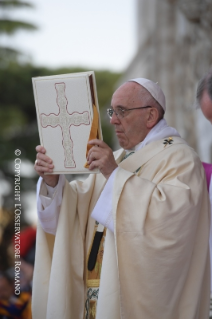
[(103, 209), (59, 264), (48, 208)]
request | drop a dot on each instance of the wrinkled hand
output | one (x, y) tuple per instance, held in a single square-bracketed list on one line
[(44, 164), (101, 156)]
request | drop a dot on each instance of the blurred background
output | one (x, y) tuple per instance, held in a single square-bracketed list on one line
[(167, 41)]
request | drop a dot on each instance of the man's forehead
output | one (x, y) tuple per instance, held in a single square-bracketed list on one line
[(129, 90), (129, 87)]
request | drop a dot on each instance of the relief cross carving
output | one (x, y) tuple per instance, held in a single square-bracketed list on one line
[(64, 119)]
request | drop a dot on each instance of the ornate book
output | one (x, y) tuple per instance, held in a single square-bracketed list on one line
[(68, 116)]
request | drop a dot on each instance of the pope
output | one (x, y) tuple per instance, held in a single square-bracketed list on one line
[(131, 241)]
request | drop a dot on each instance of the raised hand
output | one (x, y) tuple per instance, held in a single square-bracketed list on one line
[(44, 164), (101, 156)]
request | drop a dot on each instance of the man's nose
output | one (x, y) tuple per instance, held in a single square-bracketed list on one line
[(114, 119)]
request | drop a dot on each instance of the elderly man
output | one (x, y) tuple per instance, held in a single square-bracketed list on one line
[(204, 101), (131, 242)]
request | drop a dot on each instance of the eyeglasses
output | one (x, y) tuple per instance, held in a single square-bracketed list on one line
[(120, 112)]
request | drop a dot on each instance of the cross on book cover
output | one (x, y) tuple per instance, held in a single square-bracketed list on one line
[(67, 109)]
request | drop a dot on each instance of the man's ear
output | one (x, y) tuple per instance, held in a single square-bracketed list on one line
[(152, 119)]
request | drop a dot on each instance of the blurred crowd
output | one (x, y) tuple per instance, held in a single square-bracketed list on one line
[(16, 303)]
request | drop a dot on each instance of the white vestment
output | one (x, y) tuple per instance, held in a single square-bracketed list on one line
[(102, 212), (156, 265)]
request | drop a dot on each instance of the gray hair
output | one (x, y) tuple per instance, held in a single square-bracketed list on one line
[(150, 100), (160, 110), (155, 104), (204, 84)]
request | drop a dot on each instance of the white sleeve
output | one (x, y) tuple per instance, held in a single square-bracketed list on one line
[(102, 212), (49, 200)]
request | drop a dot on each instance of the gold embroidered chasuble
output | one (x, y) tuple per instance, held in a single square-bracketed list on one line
[(157, 261)]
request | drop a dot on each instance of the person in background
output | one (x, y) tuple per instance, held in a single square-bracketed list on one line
[(12, 306), (204, 101)]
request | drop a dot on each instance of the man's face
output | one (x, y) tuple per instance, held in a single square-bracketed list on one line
[(131, 129), (206, 106)]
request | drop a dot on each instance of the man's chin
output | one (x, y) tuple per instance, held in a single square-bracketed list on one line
[(122, 142)]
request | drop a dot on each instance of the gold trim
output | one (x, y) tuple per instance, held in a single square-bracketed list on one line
[(92, 283)]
